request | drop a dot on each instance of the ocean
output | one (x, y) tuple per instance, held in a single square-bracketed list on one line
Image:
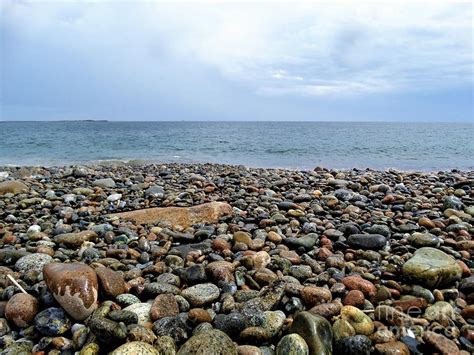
[(294, 145)]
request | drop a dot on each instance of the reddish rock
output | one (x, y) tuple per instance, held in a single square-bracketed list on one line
[(179, 216), (248, 350), (327, 310), (426, 222), (165, 305), (411, 304), (75, 240), (199, 315), (468, 312), (74, 286), (358, 283), (21, 309), (221, 270), (313, 295), (442, 344), (220, 244), (111, 282), (354, 298)]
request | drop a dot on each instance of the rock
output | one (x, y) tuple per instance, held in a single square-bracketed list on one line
[(165, 345), (135, 348), (248, 350), (355, 345), (452, 202), (155, 192), (313, 295), (33, 263), (75, 240), (179, 216), (442, 344), (111, 282), (432, 268), (142, 310), (315, 330), (420, 240), (367, 241), (354, 298), (209, 342), (358, 283), (439, 311), (361, 322), (307, 241), (392, 348), (21, 309), (232, 323), (74, 286), (174, 327), (107, 331), (107, 183), (199, 315), (201, 294), (292, 344), (52, 322), (127, 299), (165, 305), (342, 328), (12, 187)]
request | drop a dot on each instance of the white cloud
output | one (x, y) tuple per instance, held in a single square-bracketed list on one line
[(309, 49)]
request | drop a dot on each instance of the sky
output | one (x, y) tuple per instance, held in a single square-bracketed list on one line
[(134, 60)]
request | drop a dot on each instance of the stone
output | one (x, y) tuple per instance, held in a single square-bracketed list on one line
[(12, 187), (111, 282), (313, 295), (432, 268), (442, 344), (392, 348), (452, 202), (155, 191), (213, 342), (367, 241), (292, 344), (439, 311), (32, 263), (315, 330), (106, 183), (74, 286), (21, 309), (354, 298), (52, 322), (75, 240), (142, 310), (135, 348), (164, 305), (107, 331), (175, 327), (355, 345), (179, 216), (201, 294), (358, 283), (420, 240), (199, 315), (165, 345), (360, 321), (342, 328)]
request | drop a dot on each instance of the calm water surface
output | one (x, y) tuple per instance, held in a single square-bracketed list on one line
[(303, 145)]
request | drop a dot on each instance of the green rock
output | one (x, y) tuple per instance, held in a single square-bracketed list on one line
[(213, 342), (292, 344), (315, 330), (165, 345), (342, 328), (424, 240), (135, 348), (432, 268), (440, 310), (90, 349)]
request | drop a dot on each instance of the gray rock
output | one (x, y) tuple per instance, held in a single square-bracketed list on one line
[(354, 345), (201, 294), (33, 262), (432, 268), (213, 342), (135, 348), (107, 183), (452, 202), (367, 241)]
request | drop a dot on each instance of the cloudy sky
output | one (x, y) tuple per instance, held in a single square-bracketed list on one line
[(138, 60)]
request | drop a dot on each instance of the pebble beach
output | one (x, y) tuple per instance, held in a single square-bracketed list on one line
[(169, 259)]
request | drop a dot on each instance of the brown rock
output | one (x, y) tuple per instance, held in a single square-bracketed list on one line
[(412, 304), (426, 222), (392, 348), (354, 298), (261, 260), (165, 305), (111, 282), (468, 312), (248, 350), (441, 343), (313, 295), (74, 240), (21, 309), (74, 286), (199, 315), (221, 270), (358, 283), (179, 216), (326, 310), (13, 187), (242, 237)]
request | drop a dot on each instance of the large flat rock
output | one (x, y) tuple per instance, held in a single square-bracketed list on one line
[(178, 216)]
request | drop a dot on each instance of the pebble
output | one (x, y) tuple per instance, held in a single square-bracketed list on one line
[(52, 321), (209, 342), (21, 309), (201, 294), (135, 348), (315, 330)]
